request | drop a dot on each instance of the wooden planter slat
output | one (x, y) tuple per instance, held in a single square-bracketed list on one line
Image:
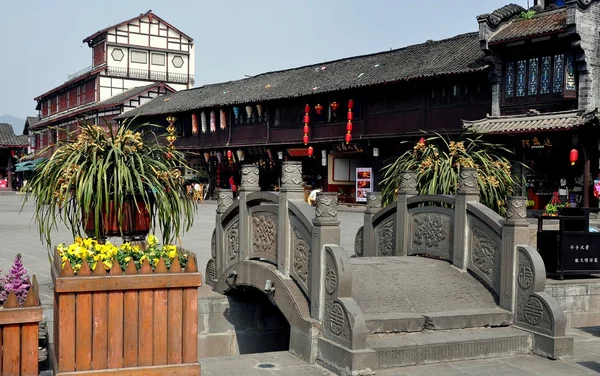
[(19, 331), (135, 320)]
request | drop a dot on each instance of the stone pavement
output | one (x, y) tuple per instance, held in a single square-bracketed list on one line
[(586, 361)]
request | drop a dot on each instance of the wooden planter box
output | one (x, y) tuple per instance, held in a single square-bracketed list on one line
[(19, 334), (136, 323)]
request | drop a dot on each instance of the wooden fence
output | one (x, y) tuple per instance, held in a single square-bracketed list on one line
[(133, 323), (19, 334)]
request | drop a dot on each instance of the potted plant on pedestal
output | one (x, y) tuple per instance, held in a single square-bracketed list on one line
[(119, 183)]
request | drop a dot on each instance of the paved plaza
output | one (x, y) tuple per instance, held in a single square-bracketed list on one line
[(18, 234)]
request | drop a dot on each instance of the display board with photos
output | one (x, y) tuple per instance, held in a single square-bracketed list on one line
[(364, 183)]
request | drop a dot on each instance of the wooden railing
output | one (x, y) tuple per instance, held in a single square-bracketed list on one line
[(141, 322), (19, 334)]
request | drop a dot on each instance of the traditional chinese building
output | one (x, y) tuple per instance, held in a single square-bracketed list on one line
[(303, 113), (132, 62), (545, 94), (12, 147)]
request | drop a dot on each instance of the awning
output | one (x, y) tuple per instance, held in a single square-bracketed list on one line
[(531, 122), (28, 166)]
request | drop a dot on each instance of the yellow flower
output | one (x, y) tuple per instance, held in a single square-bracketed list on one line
[(171, 251), (79, 240), (156, 261), (108, 264), (152, 241), (144, 257), (127, 259)]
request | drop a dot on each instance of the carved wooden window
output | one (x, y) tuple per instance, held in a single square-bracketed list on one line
[(559, 68), (521, 77), (509, 82), (533, 76), (545, 77)]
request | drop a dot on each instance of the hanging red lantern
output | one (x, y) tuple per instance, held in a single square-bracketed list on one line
[(348, 137), (334, 106), (306, 121), (573, 156), (310, 151), (229, 154), (318, 108)]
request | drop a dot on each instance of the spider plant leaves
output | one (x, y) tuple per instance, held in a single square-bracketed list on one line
[(97, 168)]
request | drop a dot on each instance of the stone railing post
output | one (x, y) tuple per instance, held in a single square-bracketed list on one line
[(408, 188), (224, 200), (373, 207), (291, 189), (249, 185), (468, 191), (515, 232), (326, 231)]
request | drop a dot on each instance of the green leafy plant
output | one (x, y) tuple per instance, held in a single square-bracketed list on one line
[(437, 161), (96, 169), (527, 15)]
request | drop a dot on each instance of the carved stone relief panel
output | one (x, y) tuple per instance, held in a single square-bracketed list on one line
[(532, 311), (431, 232), (385, 234), (264, 234), (211, 272), (358, 242), (250, 176), (335, 322), (291, 174), (485, 255), (301, 253), (233, 241)]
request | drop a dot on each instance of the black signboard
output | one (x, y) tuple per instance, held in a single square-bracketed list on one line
[(580, 251)]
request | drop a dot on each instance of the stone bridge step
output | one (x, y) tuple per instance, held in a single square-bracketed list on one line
[(407, 349), (415, 285), (394, 322)]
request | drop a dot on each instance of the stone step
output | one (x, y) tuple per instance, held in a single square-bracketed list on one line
[(407, 349), (397, 322)]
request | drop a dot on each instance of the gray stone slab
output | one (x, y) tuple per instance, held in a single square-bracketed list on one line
[(392, 322), (468, 318), (415, 285)]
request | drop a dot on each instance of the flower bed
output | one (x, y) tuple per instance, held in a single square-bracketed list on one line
[(20, 315), (135, 315)]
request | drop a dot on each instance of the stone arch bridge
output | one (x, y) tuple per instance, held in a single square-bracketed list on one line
[(434, 278)]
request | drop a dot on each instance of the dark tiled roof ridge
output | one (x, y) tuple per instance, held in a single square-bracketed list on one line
[(423, 44), (501, 14)]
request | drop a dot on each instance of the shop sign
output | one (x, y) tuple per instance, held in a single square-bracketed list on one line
[(536, 143), (347, 148), (364, 183)]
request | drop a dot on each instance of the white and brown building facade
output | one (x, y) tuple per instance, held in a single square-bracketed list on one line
[(132, 62)]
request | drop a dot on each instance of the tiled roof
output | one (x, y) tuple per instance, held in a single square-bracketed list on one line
[(460, 54), (501, 14), (531, 122), (541, 24), (8, 137), (32, 120)]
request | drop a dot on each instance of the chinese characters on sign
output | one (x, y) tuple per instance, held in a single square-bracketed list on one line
[(364, 182), (536, 143), (586, 260)]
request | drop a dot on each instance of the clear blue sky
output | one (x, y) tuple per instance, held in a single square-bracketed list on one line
[(40, 41)]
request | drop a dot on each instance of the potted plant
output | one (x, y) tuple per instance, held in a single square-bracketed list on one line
[(20, 316), (112, 183), (437, 161), (116, 183)]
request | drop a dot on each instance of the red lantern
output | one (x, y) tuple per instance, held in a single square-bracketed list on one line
[(349, 124), (306, 119), (306, 129), (318, 108), (334, 106), (310, 151), (348, 138), (350, 104), (349, 127), (306, 108), (305, 139), (350, 115), (229, 154), (573, 156)]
